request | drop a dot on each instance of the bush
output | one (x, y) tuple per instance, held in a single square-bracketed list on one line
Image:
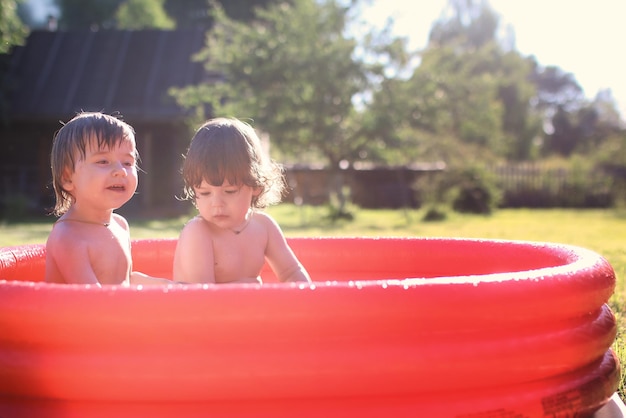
[(473, 190), (434, 214)]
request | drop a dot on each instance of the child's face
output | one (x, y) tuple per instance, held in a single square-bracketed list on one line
[(105, 179), (225, 206)]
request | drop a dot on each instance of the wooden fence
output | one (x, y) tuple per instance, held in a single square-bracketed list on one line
[(521, 185), (534, 185)]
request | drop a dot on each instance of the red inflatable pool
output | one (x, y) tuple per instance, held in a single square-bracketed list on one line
[(399, 327)]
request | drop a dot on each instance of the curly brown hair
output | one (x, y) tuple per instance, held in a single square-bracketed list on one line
[(227, 149)]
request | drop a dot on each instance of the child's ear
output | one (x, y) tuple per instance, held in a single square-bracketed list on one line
[(66, 181), (257, 191)]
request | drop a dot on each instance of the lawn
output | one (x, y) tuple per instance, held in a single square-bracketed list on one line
[(603, 231)]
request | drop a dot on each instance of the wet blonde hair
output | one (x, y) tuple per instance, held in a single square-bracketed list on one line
[(70, 145), (227, 149)]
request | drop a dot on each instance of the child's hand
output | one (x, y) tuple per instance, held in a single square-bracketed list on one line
[(137, 277)]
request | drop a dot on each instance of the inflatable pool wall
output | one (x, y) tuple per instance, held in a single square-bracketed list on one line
[(400, 327)]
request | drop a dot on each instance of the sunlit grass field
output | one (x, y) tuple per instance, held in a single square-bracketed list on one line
[(603, 231)]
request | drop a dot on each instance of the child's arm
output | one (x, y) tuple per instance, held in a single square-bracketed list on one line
[(280, 257), (67, 261), (193, 258)]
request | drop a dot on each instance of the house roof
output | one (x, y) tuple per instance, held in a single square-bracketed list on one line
[(56, 74)]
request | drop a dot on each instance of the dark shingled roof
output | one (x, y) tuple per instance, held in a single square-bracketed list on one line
[(57, 74)]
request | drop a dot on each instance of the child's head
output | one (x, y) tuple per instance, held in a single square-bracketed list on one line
[(227, 150), (71, 142)]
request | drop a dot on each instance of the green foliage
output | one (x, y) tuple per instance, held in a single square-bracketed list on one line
[(118, 14), (340, 210), (575, 125), (471, 24), (581, 189), (472, 189), (294, 71), (434, 214), (555, 88), (189, 13), (464, 188), (294, 74), (87, 14), (611, 158), (612, 151), (576, 182), (13, 32), (478, 98), (12, 29), (142, 14), (290, 71), (461, 91), (244, 10)]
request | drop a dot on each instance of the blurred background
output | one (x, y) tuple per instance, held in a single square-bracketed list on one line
[(372, 104)]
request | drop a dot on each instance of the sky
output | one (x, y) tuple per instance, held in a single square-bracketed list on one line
[(583, 37)]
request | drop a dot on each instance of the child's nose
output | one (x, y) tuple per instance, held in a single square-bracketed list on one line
[(119, 169), (216, 200)]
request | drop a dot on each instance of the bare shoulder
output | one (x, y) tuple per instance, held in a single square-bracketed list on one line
[(121, 221), (195, 221), (63, 234), (195, 231), (265, 219), (273, 231), (195, 225)]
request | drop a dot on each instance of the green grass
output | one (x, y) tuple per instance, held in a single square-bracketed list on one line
[(603, 231)]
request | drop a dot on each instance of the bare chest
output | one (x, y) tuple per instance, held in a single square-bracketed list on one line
[(237, 259)]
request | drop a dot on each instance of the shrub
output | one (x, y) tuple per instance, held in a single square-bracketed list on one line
[(473, 189), (434, 214)]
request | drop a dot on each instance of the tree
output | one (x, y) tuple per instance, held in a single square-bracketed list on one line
[(585, 129), (197, 13), (521, 123), (189, 13), (469, 23), (292, 72), (87, 14), (607, 109), (12, 30), (471, 29), (564, 137), (556, 88), (469, 94), (244, 10), (140, 14)]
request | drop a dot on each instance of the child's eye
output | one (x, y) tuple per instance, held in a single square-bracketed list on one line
[(129, 163), (102, 162), (232, 190)]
